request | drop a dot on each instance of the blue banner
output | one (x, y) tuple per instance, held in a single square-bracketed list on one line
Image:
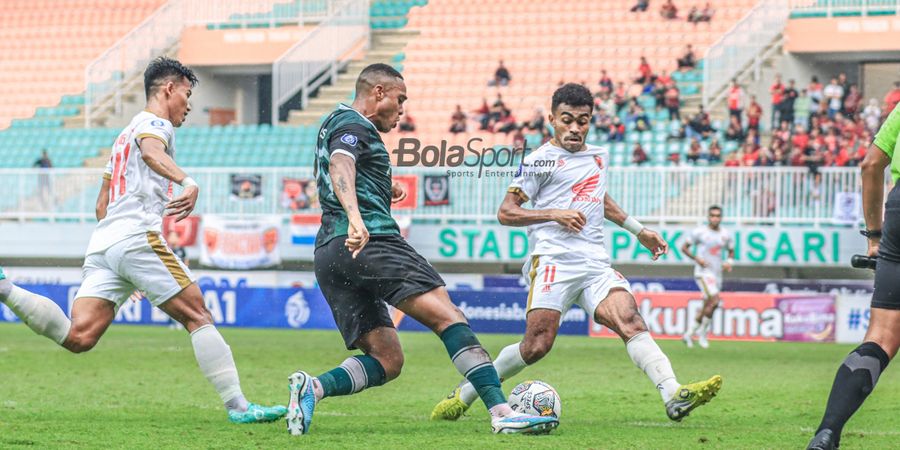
[(495, 311)]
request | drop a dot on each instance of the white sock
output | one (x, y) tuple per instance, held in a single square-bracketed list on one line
[(508, 363), (215, 361), (649, 357), (692, 328), (41, 314), (704, 327)]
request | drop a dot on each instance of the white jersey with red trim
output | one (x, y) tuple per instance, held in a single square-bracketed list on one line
[(137, 195), (554, 178), (709, 246)]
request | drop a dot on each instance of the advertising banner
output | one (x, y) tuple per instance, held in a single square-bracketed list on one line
[(240, 243), (741, 316), (808, 319), (246, 186), (755, 245), (852, 320)]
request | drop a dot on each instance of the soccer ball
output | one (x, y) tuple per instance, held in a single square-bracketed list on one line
[(535, 398)]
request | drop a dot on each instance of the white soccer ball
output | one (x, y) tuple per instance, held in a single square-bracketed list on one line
[(536, 398)]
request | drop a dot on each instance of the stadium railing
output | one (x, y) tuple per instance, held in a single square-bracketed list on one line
[(317, 58), (108, 77), (780, 196), (741, 48)]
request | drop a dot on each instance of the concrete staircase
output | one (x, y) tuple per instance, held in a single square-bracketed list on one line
[(385, 45)]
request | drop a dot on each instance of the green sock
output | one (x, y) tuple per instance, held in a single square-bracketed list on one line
[(353, 375), (473, 362)]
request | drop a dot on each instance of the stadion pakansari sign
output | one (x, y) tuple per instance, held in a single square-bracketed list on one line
[(754, 245)]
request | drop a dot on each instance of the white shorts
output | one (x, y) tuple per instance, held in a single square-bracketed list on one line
[(708, 283), (559, 281), (142, 262)]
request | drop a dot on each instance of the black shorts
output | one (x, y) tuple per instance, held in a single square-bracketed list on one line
[(887, 273), (387, 271)]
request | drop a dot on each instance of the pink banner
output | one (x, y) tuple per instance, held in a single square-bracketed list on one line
[(808, 319)]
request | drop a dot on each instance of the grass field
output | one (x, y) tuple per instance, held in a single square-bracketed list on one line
[(140, 388)]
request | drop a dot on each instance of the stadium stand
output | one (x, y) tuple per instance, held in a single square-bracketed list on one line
[(45, 45)]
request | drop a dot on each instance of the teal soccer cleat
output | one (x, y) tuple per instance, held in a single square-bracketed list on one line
[(257, 414), (301, 404)]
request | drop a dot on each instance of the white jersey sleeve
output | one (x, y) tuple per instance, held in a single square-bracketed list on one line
[(528, 180), (155, 128)]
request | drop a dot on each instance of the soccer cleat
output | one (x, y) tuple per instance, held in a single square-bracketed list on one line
[(301, 404), (702, 341), (450, 408), (690, 396), (524, 424), (823, 440), (688, 340), (257, 414)]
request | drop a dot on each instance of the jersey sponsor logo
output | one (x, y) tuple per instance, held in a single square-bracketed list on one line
[(349, 139), (583, 189), (157, 123), (715, 250)]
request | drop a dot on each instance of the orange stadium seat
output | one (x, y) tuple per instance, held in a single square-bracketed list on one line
[(45, 45)]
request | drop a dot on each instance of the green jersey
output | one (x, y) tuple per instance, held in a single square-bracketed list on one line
[(348, 132), (886, 140)]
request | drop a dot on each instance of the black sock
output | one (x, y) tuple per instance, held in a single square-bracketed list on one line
[(854, 382)]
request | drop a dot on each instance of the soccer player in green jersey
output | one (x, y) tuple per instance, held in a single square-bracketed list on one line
[(857, 375), (363, 265)]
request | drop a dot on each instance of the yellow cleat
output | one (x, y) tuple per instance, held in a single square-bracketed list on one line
[(450, 408), (690, 396)]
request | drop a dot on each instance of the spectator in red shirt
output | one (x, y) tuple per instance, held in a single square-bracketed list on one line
[(669, 10), (800, 138), (777, 92), (664, 78), (638, 155), (754, 113), (735, 100), (750, 154), (733, 160), (891, 99), (606, 83), (483, 114), (645, 73), (852, 101), (672, 101)]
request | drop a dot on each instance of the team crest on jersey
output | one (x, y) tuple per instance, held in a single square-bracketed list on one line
[(561, 163), (157, 123), (599, 161), (349, 139)]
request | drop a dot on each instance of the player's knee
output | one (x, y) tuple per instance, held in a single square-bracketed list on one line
[(80, 342), (392, 364)]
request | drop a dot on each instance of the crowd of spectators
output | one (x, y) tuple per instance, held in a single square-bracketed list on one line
[(669, 11)]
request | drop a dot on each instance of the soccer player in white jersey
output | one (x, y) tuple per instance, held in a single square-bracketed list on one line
[(127, 253), (709, 241), (565, 180)]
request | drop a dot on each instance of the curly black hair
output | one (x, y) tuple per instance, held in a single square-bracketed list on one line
[(572, 94), (161, 69)]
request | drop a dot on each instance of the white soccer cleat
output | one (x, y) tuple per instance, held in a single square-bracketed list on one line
[(688, 340), (702, 341), (524, 424)]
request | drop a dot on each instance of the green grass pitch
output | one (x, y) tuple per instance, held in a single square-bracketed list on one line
[(140, 388)]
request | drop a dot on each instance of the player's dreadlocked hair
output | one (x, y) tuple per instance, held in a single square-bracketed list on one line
[(161, 69), (572, 94)]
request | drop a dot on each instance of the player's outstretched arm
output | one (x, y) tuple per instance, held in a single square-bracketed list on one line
[(153, 153), (650, 239), (512, 214), (102, 199), (342, 170)]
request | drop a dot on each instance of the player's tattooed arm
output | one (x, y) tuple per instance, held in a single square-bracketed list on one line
[(512, 214), (343, 177)]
